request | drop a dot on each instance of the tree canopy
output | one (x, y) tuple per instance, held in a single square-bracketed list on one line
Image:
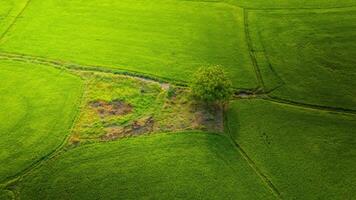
[(211, 85)]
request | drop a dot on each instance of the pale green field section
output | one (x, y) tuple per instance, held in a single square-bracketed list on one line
[(38, 105), (9, 10), (169, 39), (308, 55), (162, 166), (307, 154)]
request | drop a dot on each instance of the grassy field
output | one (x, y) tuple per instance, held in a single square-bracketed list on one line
[(163, 38), (72, 127), (5, 195), (172, 166), (313, 54), (295, 4), (37, 104), (9, 9), (307, 154)]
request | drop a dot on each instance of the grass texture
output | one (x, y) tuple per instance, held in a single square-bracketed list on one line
[(38, 105), (307, 154), (171, 166), (163, 38)]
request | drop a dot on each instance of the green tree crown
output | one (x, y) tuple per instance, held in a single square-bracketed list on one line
[(211, 84)]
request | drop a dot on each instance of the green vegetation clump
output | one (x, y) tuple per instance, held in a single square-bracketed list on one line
[(211, 85)]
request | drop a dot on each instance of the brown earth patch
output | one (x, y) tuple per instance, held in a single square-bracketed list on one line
[(209, 118), (113, 108), (138, 127)]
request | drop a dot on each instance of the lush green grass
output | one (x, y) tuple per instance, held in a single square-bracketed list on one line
[(5, 195), (263, 4), (38, 105), (307, 154), (163, 166), (313, 52), (9, 9), (163, 38), (306, 55)]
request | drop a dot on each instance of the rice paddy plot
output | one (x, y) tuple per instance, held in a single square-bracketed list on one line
[(307, 154), (164, 166), (313, 53), (169, 39), (38, 105)]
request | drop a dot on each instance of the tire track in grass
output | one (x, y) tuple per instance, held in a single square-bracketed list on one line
[(10, 182), (251, 163), (336, 110), (15, 20), (251, 51), (266, 93)]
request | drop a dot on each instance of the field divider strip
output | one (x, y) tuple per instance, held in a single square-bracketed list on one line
[(300, 8), (15, 20), (96, 68), (336, 110), (251, 163), (251, 52)]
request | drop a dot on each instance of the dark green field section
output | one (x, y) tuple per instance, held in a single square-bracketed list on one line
[(291, 4), (38, 105), (163, 166), (307, 56), (5, 195), (307, 154), (169, 39)]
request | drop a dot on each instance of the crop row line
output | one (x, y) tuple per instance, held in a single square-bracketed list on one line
[(14, 20)]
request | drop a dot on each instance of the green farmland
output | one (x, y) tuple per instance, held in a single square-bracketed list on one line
[(96, 100)]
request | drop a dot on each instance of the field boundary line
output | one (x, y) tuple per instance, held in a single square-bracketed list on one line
[(269, 8), (97, 68), (12, 180), (255, 60), (251, 52), (336, 110), (301, 8), (251, 163), (15, 20)]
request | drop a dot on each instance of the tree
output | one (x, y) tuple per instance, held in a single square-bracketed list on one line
[(211, 85)]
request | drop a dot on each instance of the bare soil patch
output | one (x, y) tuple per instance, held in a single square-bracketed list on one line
[(116, 107), (137, 127)]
